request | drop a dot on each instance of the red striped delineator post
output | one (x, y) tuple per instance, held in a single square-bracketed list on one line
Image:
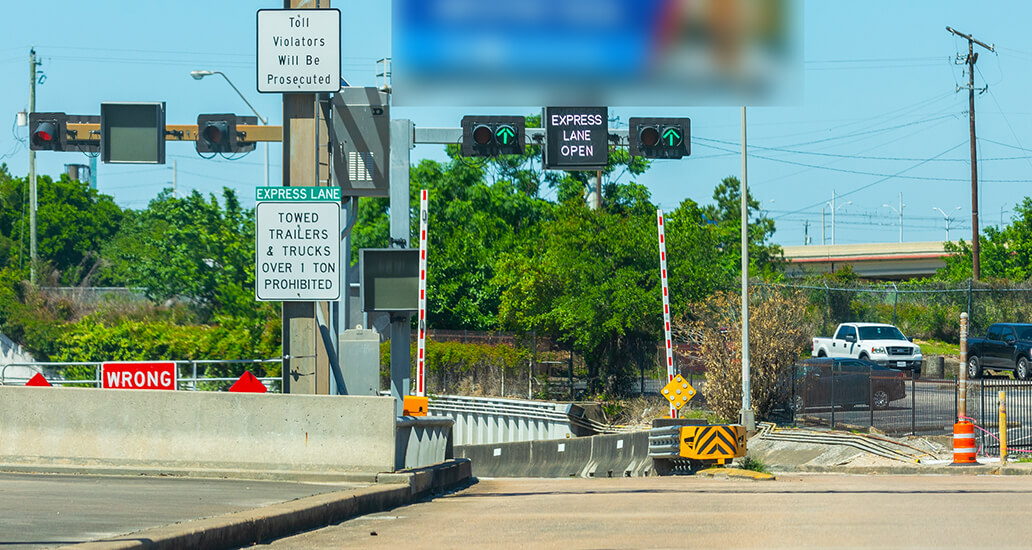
[(421, 338), (666, 304)]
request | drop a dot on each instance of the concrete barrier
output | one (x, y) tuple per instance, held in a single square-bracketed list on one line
[(186, 431), (615, 455)]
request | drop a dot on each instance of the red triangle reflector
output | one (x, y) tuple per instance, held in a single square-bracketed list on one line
[(248, 383), (38, 381)]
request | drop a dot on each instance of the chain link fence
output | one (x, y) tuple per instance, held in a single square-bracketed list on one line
[(925, 309)]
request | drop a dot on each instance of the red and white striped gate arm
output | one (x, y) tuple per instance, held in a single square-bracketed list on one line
[(421, 339), (666, 304)]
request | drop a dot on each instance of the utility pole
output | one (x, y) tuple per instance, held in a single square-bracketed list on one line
[(972, 57), (306, 358), (32, 170)]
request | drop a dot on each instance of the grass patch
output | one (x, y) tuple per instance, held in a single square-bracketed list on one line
[(753, 465), (937, 347)]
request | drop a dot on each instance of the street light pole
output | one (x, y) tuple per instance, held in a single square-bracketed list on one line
[(900, 212), (948, 220), (833, 209), (197, 75)]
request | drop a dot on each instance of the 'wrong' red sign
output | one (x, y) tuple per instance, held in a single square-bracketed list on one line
[(156, 375)]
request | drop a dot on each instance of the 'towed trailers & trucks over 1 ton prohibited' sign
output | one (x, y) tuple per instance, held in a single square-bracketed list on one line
[(297, 244)]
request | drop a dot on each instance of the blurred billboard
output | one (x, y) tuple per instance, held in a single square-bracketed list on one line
[(596, 52)]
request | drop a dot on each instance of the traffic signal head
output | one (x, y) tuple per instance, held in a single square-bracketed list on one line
[(48, 131), (218, 133), (490, 136), (659, 138)]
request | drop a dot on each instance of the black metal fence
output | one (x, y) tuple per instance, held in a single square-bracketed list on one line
[(852, 395), (983, 410)]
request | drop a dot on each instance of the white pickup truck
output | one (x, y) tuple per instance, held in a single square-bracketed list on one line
[(880, 343)]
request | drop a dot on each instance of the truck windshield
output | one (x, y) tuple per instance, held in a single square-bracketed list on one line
[(881, 333)]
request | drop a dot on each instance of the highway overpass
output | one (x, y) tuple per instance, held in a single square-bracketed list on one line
[(882, 261)]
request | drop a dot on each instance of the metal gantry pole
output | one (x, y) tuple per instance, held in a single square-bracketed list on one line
[(401, 361)]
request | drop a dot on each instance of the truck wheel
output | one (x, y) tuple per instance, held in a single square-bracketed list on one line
[(863, 357), (880, 399), (821, 354), (1023, 370), (974, 369)]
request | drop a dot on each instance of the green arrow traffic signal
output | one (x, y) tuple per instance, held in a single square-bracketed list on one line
[(672, 136), (505, 134)]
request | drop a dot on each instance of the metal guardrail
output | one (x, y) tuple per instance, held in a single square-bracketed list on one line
[(488, 420), (665, 442), (51, 370)]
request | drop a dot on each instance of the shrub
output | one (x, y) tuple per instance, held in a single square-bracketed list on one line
[(778, 334)]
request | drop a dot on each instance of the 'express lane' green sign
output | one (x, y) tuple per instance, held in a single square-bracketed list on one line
[(297, 194)]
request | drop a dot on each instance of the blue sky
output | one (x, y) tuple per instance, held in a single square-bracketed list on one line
[(880, 114)]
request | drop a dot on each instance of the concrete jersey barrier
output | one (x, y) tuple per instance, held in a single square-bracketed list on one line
[(196, 430)]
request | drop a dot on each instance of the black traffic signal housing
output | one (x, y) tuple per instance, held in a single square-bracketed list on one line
[(659, 138), (49, 131), (218, 133), (490, 136)]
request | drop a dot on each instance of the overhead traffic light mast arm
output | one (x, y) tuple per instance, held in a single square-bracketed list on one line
[(183, 132)]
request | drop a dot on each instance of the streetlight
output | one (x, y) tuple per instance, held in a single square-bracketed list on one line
[(834, 208), (948, 220), (197, 75), (900, 212)]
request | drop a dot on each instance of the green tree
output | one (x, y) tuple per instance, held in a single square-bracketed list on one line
[(1003, 253), (192, 248), (590, 280), (72, 223)]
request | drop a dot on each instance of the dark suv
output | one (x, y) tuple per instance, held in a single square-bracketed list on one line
[(827, 382), (1006, 346)]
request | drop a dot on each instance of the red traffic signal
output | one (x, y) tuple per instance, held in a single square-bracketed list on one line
[(218, 133), (48, 131)]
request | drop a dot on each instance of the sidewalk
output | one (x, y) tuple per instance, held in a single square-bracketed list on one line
[(279, 520)]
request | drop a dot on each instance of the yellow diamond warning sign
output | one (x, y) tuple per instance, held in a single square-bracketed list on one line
[(679, 392)]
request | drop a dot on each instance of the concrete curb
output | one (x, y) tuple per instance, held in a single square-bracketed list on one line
[(914, 469), (288, 518), (216, 473)]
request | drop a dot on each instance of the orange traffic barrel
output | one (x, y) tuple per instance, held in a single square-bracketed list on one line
[(964, 443)]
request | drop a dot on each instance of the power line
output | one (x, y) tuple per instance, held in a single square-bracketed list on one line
[(864, 173), (872, 184)]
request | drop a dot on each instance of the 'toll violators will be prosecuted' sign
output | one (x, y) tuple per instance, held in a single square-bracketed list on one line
[(298, 51)]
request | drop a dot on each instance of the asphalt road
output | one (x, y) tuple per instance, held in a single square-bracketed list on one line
[(50, 510), (793, 512)]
